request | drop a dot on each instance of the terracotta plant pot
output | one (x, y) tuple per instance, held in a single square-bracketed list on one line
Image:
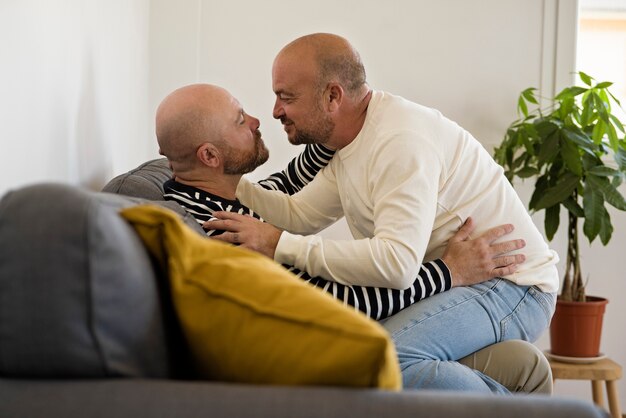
[(576, 327)]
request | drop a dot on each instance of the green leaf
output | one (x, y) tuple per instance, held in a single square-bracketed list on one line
[(615, 99), (610, 193), (571, 156), (509, 155), (613, 141), (603, 171), (498, 154), (585, 97), (617, 123), (544, 127), (585, 78), (597, 218), (598, 132), (605, 99), (593, 205), (541, 185), (558, 193), (518, 161), (576, 90), (566, 93), (549, 149), (620, 159), (590, 161), (581, 139), (571, 205), (529, 95), (606, 228), (570, 92), (526, 172), (526, 139), (521, 106), (551, 221), (604, 85), (587, 114), (602, 107), (567, 109)]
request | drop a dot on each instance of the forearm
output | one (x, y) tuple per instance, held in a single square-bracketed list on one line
[(297, 213), (300, 171), (377, 262)]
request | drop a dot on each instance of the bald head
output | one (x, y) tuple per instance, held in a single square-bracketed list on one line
[(188, 117), (333, 57), (203, 130)]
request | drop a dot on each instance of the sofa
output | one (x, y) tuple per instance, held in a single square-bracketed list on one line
[(87, 328)]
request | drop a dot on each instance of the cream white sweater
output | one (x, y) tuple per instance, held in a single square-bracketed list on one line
[(405, 184)]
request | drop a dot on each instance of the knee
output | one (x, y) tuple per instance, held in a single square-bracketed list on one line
[(517, 365), (531, 369)]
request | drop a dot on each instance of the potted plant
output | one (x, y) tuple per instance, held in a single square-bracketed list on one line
[(576, 150)]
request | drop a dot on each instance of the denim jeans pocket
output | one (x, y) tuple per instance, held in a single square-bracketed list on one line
[(530, 318), (546, 300)]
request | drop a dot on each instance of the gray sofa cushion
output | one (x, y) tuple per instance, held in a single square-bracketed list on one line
[(78, 294), (145, 181)]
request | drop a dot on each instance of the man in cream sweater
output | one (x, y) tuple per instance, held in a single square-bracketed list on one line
[(405, 178)]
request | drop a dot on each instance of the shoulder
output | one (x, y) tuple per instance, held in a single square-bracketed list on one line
[(393, 116), (403, 135)]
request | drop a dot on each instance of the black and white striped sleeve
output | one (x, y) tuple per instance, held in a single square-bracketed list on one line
[(379, 303), (300, 171)]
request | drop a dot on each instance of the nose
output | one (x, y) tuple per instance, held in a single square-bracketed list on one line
[(278, 111), (254, 123)]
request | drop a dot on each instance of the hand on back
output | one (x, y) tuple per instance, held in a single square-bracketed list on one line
[(476, 260)]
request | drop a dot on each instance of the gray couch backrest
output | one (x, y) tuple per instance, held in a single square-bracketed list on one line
[(78, 293), (146, 183)]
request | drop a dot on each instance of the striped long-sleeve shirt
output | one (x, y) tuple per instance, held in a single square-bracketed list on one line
[(377, 303)]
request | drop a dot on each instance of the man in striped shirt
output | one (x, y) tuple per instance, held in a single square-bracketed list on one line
[(210, 142)]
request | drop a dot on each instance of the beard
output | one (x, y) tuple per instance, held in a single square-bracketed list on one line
[(246, 162), (323, 127)]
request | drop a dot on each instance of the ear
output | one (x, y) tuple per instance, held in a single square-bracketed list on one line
[(209, 155), (334, 96)]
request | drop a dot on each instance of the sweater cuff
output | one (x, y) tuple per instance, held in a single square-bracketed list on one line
[(286, 252), (447, 277)]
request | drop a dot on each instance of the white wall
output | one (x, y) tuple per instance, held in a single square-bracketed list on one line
[(427, 51), (73, 90), (469, 59)]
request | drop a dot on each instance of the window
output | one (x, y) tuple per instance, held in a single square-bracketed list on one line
[(601, 50)]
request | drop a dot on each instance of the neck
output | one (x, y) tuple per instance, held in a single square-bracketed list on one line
[(222, 185), (352, 121)]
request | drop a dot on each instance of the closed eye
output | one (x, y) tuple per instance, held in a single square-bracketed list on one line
[(284, 97)]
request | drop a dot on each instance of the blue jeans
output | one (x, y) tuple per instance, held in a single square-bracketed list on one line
[(432, 334)]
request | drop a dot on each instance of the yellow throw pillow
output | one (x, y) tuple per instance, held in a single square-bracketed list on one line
[(247, 319)]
